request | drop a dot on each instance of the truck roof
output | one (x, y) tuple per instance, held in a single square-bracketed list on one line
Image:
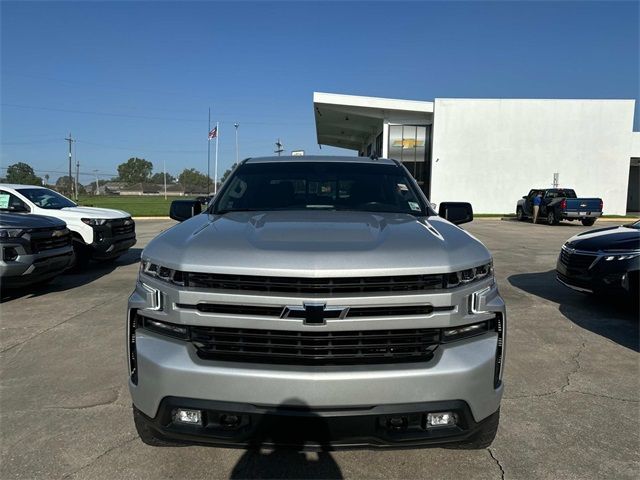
[(319, 158), (15, 186)]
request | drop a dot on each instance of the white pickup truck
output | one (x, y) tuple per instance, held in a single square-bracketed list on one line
[(98, 233)]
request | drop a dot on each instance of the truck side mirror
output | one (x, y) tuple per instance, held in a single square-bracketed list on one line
[(184, 209), (456, 212)]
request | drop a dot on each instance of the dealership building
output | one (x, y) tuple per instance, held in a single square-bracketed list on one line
[(491, 152)]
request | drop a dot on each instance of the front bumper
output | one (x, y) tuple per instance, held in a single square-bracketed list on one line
[(28, 269), (612, 277), (295, 425), (463, 370)]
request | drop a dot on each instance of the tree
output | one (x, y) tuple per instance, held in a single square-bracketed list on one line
[(135, 170), (159, 178), (227, 173), (64, 185), (194, 181), (22, 173)]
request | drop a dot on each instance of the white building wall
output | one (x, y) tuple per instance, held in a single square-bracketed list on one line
[(491, 152)]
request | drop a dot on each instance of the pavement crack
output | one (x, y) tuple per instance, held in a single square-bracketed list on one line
[(576, 359), (630, 400), (495, 459), (58, 324), (103, 454)]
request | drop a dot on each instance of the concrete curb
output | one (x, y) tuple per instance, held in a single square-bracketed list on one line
[(151, 218)]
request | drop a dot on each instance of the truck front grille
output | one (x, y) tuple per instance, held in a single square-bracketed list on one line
[(405, 283), (121, 227), (279, 311), (315, 348), (43, 240)]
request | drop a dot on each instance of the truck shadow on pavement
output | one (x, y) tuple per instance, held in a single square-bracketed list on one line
[(610, 317), (72, 279), (286, 436)]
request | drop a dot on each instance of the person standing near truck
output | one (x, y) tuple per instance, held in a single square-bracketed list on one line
[(537, 201)]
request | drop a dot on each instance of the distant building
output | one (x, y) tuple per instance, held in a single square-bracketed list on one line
[(490, 152)]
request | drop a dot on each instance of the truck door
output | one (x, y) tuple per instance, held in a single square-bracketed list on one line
[(528, 202)]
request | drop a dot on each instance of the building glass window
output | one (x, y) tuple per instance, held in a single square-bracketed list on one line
[(379, 145)]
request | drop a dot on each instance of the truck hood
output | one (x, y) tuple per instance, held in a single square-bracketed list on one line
[(26, 220), (316, 244), (91, 212), (609, 238)]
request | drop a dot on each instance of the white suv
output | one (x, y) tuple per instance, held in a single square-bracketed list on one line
[(98, 233)]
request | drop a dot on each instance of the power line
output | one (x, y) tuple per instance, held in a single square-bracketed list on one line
[(146, 117)]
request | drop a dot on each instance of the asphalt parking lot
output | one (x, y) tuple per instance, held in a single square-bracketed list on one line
[(571, 408)]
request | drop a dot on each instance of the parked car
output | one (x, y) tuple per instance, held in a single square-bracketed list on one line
[(560, 204), (602, 261), (34, 248), (97, 233), (319, 297)]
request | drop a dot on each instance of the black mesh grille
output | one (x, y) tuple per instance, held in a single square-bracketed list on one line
[(121, 227), (43, 240), (577, 261), (316, 348), (411, 283)]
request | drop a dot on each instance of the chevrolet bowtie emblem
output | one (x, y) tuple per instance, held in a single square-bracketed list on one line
[(314, 313)]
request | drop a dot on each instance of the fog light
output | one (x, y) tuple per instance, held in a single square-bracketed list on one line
[(9, 254), (441, 419), (190, 417)]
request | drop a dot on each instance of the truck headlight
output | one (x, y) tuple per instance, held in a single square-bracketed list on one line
[(94, 222), (11, 232), (155, 270), (469, 275), (466, 331)]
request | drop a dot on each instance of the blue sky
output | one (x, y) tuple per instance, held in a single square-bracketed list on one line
[(136, 79)]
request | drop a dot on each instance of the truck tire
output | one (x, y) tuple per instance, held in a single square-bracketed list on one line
[(587, 222), (520, 214), (147, 435), (82, 256), (484, 437), (551, 218)]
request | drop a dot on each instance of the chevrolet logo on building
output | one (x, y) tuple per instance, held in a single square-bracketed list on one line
[(408, 143), (314, 313)]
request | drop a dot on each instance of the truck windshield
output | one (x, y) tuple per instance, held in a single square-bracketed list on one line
[(45, 198), (561, 192), (320, 186)]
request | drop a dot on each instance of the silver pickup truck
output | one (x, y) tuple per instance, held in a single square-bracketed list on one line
[(317, 302)]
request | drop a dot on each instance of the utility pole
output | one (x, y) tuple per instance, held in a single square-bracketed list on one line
[(70, 140), (279, 147), (236, 125), (77, 175)]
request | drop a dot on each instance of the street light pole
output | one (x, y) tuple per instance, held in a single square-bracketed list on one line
[(236, 125), (95, 172)]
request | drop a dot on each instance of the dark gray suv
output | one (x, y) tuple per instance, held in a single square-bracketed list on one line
[(34, 248)]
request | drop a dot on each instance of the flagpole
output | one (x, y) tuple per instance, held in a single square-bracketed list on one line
[(215, 168), (209, 155), (164, 167)]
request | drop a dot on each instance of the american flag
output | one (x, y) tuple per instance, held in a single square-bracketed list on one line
[(213, 133)]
